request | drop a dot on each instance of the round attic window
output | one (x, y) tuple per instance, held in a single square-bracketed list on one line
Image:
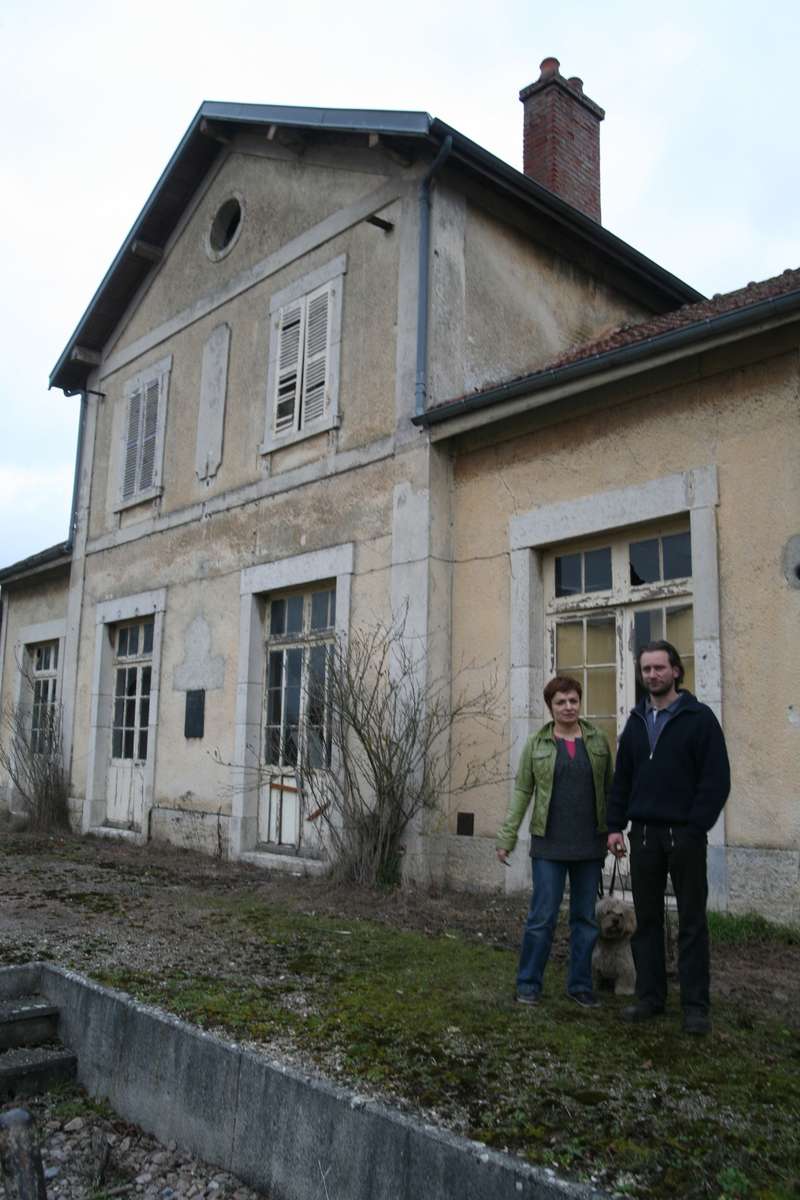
[(225, 228)]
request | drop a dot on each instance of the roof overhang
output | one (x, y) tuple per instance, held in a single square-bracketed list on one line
[(597, 372), (205, 139), (51, 560)]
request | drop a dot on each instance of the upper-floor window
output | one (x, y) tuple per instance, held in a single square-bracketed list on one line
[(143, 434), (303, 378)]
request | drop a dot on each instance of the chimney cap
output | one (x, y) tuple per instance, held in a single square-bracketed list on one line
[(550, 76)]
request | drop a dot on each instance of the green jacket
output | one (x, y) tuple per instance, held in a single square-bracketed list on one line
[(535, 779)]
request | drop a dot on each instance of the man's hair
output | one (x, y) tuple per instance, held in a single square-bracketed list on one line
[(561, 683), (669, 650)]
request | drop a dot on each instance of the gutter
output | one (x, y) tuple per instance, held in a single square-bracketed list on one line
[(423, 289), (674, 339)]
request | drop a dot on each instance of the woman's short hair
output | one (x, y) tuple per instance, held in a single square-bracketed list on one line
[(671, 653), (561, 683)]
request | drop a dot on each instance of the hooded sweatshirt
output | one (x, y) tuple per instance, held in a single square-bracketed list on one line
[(684, 780)]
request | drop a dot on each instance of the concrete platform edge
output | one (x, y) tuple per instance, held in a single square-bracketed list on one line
[(277, 1128)]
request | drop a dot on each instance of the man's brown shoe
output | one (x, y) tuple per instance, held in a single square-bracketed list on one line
[(641, 1011)]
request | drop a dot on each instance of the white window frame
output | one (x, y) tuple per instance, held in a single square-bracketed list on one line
[(298, 297), (157, 374), (694, 492), (621, 601), (29, 638), (304, 640), (108, 615), (335, 563), (47, 678), (137, 662)]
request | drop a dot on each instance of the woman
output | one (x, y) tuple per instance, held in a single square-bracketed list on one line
[(566, 768)]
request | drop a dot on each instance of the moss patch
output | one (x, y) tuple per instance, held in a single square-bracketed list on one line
[(431, 1023)]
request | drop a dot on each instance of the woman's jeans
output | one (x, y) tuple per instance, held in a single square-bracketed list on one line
[(549, 877)]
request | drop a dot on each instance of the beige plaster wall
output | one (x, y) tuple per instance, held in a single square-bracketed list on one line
[(525, 304), (745, 422), (200, 565), (367, 361), (281, 198)]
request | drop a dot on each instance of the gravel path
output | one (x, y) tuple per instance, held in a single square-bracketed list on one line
[(96, 1155)]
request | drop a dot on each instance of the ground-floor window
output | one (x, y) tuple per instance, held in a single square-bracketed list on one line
[(132, 684), (297, 716), (608, 596), (44, 684)]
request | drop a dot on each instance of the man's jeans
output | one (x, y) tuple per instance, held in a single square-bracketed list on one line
[(680, 852), (548, 887)]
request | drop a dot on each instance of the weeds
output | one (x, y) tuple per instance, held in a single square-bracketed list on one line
[(431, 1024)]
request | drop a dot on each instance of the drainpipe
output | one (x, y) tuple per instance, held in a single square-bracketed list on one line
[(73, 513), (420, 389)]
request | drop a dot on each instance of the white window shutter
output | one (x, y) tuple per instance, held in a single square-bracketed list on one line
[(290, 346), (149, 434), (315, 372), (132, 444)]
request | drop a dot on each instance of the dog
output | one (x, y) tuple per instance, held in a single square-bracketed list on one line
[(612, 961)]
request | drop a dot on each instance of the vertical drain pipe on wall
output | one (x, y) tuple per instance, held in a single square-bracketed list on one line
[(421, 386)]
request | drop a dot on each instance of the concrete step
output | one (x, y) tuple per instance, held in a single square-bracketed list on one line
[(30, 1071), (27, 1021)]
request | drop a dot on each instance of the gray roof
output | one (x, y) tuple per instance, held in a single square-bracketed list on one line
[(198, 150), (45, 560)]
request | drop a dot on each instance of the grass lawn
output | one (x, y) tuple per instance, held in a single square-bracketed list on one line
[(431, 1023)]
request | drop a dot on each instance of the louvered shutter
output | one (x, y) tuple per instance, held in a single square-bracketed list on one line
[(132, 444), (315, 371), (290, 345), (149, 434)]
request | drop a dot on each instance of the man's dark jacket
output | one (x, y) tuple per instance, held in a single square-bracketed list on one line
[(684, 781)]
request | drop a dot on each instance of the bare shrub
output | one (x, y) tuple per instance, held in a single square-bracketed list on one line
[(378, 756), (33, 760)]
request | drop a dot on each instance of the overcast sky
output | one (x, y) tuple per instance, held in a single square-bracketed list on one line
[(699, 148)]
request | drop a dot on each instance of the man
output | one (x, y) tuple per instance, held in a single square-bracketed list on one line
[(671, 781)]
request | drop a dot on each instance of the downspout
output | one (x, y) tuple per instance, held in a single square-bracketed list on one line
[(73, 513), (421, 386)]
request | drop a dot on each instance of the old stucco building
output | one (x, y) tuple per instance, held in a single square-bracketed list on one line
[(348, 363)]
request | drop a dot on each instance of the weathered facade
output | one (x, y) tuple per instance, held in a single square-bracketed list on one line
[(332, 375)]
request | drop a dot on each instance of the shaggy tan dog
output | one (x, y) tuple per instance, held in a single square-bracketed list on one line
[(612, 961)]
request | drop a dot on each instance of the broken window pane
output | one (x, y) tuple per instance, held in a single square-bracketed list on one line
[(597, 569), (644, 562)]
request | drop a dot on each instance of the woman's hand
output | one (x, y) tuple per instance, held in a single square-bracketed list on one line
[(616, 845), (503, 857)]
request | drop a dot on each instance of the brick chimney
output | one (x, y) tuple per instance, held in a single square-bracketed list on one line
[(561, 138)]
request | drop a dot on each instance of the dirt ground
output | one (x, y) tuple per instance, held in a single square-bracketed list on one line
[(88, 903)]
